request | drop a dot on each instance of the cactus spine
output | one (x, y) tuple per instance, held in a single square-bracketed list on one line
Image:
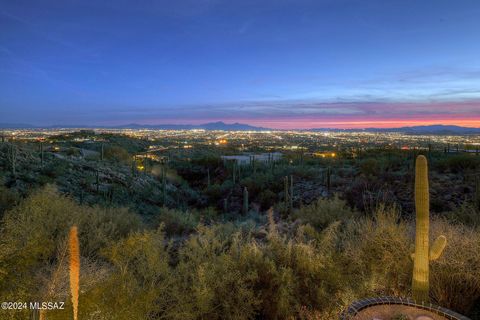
[(245, 200), (422, 255)]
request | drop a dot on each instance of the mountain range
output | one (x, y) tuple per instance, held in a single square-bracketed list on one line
[(431, 129), (219, 125)]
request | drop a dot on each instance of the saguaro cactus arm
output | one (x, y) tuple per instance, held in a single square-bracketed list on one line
[(437, 248), (245, 201)]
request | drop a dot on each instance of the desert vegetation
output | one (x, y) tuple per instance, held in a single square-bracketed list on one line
[(205, 239)]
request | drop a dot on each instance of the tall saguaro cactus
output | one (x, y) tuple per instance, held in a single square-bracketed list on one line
[(97, 180), (291, 192), (41, 154), (423, 254), (329, 179), (245, 200), (288, 190), (234, 172), (287, 197), (208, 177), (164, 186), (477, 192)]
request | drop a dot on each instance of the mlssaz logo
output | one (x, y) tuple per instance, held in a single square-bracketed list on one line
[(47, 305)]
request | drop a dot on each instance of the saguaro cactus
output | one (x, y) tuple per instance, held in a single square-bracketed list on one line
[(134, 165), (423, 255), (245, 200), (477, 192), (285, 191), (208, 177), (164, 186), (97, 180), (329, 179), (288, 190), (41, 154), (234, 172), (291, 193)]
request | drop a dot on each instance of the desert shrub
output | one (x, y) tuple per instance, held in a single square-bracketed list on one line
[(178, 222), (370, 167), (466, 214), (267, 198), (458, 163), (72, 151), (55, 168), (214, 193), (138, 286), (297, 272), (211, 283), (455, 277), (32, 235), (229, 274), (377, 254), (116, 153), (325, 211), (8, 199)]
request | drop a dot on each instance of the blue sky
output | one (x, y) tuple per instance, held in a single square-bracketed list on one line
[(280, 63)]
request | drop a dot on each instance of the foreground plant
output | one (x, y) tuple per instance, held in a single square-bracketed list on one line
[(423, 254)]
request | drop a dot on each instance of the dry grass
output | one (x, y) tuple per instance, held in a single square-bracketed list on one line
[(455, 277)]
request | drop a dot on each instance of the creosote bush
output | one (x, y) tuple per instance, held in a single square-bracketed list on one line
[(325, 211)]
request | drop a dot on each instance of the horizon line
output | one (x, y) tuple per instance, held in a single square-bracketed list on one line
[(348, 125)]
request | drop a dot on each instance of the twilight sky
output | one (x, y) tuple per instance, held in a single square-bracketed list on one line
[(275, 63)]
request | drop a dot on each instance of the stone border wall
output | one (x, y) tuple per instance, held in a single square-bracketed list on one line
[(358, 306)]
